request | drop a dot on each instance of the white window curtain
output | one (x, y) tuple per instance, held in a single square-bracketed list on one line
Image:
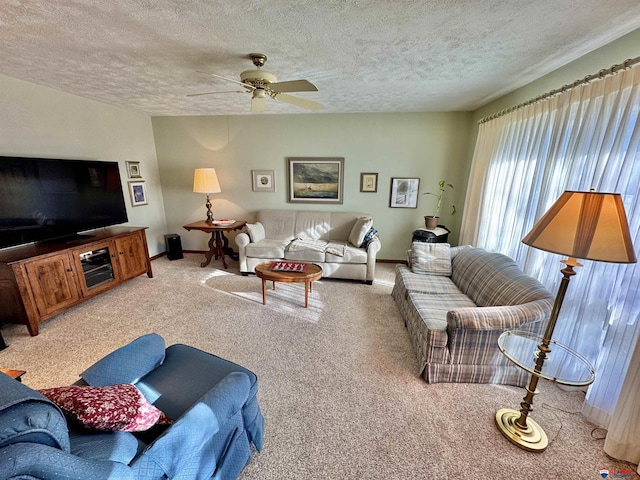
[(587, 137)]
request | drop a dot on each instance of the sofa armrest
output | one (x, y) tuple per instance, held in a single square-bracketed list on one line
[(181, 444), (242, 240), (35, 460), (374, 247), (372, 250), (501, 318)]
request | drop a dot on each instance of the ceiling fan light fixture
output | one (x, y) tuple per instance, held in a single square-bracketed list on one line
[(264, 84), (254, 77)]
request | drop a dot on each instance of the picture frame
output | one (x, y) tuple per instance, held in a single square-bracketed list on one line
[(315, 179), (368, 182), (133, 170), (138, 193), (404, 192), (263, 180)]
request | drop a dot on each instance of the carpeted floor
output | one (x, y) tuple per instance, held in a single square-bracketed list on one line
[(339, 385)]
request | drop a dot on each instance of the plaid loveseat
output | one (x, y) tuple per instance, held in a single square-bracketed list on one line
[(457, 301)]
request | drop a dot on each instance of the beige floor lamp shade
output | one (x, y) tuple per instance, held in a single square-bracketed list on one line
[(587, 225)]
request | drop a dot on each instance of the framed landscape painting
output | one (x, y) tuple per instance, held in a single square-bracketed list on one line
[(315, 180)]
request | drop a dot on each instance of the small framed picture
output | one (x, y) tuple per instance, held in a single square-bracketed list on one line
[(138, 193), (264, 180), (368, 182), (404, 192), (133, 170)]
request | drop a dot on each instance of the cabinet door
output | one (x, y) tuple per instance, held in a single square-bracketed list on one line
[(53, 283), (95, 267), (132, 255)]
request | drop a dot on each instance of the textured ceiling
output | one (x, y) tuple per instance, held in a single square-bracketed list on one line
[(364, 56)]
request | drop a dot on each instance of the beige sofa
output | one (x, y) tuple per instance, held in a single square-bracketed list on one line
[(332, 240)]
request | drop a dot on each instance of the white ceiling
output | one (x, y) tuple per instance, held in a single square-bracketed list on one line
[(363, 55)]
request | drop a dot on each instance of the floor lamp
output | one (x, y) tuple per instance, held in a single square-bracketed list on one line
[(205, 180), (586, 225)]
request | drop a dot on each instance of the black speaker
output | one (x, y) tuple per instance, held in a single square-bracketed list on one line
[(174, 246)]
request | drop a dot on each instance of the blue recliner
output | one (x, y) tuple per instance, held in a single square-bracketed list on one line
[(212, 401)]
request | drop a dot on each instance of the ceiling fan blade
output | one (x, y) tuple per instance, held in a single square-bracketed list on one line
[(246, 85), (297, 101), (213, 93), (258, 104), (293, 86)]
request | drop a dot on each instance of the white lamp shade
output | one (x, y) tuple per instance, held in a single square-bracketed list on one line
[(205, 180), (588, 225)]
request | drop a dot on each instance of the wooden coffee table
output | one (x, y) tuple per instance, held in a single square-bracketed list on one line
[(312, 273)]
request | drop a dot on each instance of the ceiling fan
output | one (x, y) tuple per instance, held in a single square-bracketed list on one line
[(262, 84)]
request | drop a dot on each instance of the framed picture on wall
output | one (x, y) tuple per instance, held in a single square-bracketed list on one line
[(263, 180), (133, 170), (369, 182), (315, 180), (138, 193), (404, 192)]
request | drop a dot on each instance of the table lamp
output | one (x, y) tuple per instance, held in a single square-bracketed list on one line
[(205, 180), (588, 225)]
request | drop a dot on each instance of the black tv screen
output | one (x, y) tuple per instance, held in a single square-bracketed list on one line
[(45, 199)]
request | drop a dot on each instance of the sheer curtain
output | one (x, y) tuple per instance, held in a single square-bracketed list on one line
[(587, 137)]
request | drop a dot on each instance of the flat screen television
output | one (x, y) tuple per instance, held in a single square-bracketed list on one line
[(44, 199)]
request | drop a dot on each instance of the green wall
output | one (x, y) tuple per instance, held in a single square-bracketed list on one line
[(430, 146)]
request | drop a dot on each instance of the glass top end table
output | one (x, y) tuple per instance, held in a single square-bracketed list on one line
[(549, 360)]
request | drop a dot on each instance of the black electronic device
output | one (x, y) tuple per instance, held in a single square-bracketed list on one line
[(174, 246), (437, 235), (45, 199)]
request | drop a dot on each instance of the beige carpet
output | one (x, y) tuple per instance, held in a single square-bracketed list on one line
[(339, 386)]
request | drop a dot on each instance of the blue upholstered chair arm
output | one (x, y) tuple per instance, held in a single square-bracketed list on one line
[(181, 444), (38, 461)]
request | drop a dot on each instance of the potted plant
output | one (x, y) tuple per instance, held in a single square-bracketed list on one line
[(431, 221)]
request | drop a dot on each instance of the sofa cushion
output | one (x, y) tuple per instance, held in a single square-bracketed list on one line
[(350, 254), (108, 409), (420, 283), (278, 224), (127, 364), (432, 309), (267, 248), (359, 230), (430, 258), (492, 279), (113, 446), (305, 255), (255, 231), (313, 225)]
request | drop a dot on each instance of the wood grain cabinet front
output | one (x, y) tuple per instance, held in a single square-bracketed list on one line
[(53, 283), (39, 281)]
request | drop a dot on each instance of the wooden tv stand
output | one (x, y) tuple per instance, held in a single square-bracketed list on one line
[(38, 281)]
